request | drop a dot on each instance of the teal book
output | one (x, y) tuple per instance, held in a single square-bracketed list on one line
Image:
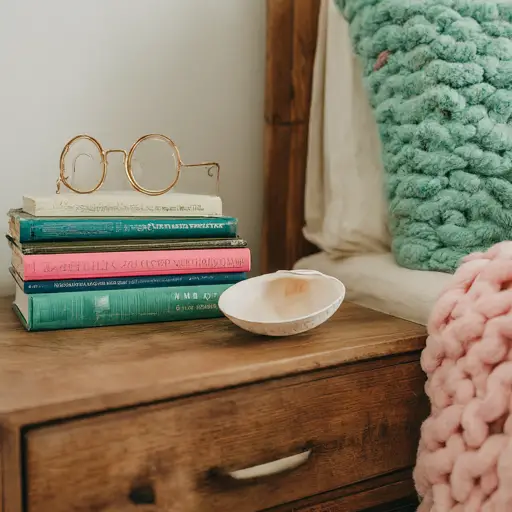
[(73, 310), (26, 228)]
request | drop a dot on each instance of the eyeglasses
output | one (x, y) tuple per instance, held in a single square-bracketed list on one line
[(128, 158)]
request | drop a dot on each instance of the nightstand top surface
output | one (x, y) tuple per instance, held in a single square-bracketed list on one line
[(57, 374)]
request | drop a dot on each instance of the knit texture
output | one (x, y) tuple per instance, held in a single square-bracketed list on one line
[(439, 78), (465, 455)]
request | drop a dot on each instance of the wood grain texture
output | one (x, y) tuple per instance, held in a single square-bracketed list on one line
[(387, 498), (291, 44), (2, 473), (11, 461), (59, 374), (168, 452), (383, 491)]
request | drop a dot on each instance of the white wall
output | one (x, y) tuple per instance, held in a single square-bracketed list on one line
[(117, 69)]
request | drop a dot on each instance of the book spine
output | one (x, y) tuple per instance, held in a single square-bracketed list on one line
[(14, 226), (122, 307), (17, 261), (75, 229), (120, 283), (29, 248), (38, 267), (171, 205)]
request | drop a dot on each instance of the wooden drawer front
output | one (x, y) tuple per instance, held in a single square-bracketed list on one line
[(383, 498), (160, 458)]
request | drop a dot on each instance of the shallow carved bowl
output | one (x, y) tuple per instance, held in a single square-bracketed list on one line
[(283, 303)]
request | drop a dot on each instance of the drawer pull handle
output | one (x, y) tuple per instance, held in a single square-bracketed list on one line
[(275, 467)]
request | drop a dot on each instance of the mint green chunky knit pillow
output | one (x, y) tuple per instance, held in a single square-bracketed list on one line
[(439, 77)]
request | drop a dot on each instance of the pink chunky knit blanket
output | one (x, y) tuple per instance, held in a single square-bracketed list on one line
[(465, 455)]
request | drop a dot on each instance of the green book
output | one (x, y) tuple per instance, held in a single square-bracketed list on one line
[(98, 308)]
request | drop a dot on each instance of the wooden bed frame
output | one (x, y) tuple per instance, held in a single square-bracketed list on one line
[(291, 44)]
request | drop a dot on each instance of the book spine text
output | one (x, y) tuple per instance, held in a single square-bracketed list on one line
[(119, 283), (137, 263), (121, 307), (172, 205), (75, 229)]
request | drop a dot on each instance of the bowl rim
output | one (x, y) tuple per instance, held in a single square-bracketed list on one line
[(292, 320)]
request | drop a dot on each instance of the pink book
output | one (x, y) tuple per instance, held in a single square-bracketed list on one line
[(40, 267)]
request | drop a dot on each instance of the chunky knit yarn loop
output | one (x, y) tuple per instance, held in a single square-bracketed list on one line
[(465, 454), (439, 77)]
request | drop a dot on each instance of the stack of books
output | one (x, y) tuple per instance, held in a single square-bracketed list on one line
[(113, 259)]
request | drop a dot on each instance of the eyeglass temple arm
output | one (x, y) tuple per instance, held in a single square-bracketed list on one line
[(59, 181), (212, 167)]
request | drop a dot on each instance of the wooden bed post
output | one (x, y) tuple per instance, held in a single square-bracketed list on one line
[(291, 43)]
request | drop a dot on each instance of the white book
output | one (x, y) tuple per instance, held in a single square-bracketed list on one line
[(123, 204)]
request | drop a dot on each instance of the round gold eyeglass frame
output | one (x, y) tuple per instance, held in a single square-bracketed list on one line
[(128, 160)]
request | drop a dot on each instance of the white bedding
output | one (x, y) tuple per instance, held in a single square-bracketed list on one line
[(377, 282), (345, 206)]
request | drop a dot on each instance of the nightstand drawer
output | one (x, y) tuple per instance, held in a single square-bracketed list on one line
[(210, 452)]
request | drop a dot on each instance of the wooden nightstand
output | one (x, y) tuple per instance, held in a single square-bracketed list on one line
[(166, 417)]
